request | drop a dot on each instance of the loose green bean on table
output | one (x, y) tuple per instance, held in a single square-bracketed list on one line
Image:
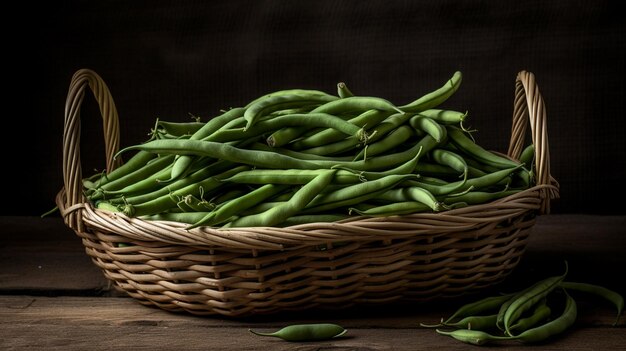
[(549, 310)]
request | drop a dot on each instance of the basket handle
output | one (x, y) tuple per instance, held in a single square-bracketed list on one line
[(529, 107), (72, 172)]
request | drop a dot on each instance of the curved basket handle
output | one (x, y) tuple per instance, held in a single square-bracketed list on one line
[(529, 107), (72, 173)]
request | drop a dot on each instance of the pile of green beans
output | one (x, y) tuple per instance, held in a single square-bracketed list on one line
[(301, 155), (532, 315)]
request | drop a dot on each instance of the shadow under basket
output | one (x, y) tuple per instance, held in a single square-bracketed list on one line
[(259, 270)]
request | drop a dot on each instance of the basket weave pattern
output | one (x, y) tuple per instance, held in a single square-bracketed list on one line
[(242, 271)]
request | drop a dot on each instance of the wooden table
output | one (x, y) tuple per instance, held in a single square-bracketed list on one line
[(53, 297)]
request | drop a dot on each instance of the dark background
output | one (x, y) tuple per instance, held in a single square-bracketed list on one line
[(167, 59)]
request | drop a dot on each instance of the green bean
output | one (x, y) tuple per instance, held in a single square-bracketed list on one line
[(406, 168), (437, 97), (460, 140), (475, 322), (393, 139), (235, 206), (137, 161), (343, 91), (280, 213), (226, 195), (319, 120), (483, 182), (554, 327), (184, 161), (190, 203), (291, 111), (224, 151), (425, 168), (390, 123), (280, 102), (432, 180), (194, 177), (279, 123), (476, 165), (429, 126), (288, 92), (178, 129), (307, 332), (332, 148), (155, 181), (478, 197), (264, 206), (393, 209), (291, 176), (356, 103), (527, 157), (474, 337), (366, 119), (600, 291), (104, 205), (163, 203), (181, 217), (353, 194), (484, 305), (299, 155), (445, 116), (413, 193), (541, 312), (529, 298), (383, 162), (450, 159), (141, 173)]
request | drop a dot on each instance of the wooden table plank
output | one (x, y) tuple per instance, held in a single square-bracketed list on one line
[(42, 255), (78, 323)]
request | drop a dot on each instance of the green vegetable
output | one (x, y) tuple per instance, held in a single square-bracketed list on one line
[(306, 332)]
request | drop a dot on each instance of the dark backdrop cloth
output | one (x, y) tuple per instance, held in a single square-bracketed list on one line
[(170, 59)]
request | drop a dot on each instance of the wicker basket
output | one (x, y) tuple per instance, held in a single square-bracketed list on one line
[(246, 271)]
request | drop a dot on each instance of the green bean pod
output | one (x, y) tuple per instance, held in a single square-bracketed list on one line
[(467, 145), (395, 138), (367, 119), (137, 161), (279, 102), (393, 209), (437, 97), (223, 151), (343, 91), (607, 294), (541, 312), (356, 103), (529, 298), (474, 337), (554, 327), (291, 176), (475, 322), (445, 116), (281, 213), (306, 332), (235, 206), (484, 305), (182, 162), (428, 125)]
